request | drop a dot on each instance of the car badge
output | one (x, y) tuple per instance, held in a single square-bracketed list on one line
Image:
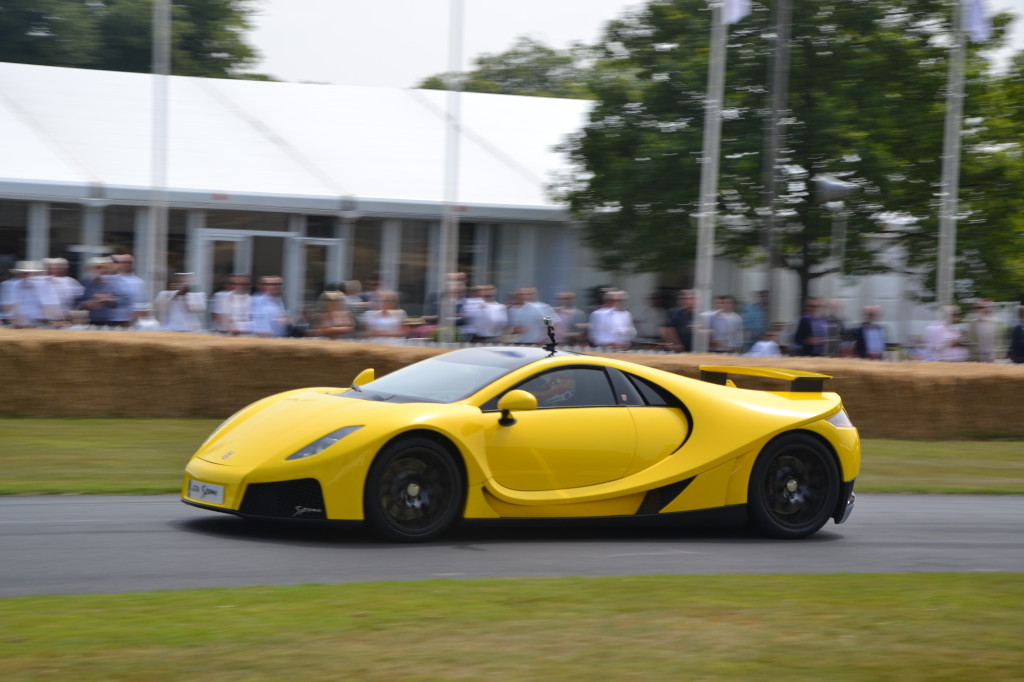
[(300, 510), (228, 455)]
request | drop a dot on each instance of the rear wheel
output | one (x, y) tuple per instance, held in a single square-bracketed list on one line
[(414, 490), (794, 487)]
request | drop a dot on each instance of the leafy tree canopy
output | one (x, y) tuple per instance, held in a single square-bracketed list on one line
[(116, 35), (866, 104), (528, 68)]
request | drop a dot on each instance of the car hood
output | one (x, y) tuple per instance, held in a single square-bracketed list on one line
[(281, 425)]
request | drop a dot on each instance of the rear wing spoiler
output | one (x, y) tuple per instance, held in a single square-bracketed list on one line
[(799, 381)]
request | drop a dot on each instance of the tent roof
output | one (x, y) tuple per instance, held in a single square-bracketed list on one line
[(73, 134)]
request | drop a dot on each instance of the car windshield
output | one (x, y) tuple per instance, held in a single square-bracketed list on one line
[(449, 377)]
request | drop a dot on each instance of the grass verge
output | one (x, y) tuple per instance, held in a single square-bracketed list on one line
[(147, 456), (97, 456), (836, 627)]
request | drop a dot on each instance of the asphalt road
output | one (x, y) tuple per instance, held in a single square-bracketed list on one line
[(107, 544)]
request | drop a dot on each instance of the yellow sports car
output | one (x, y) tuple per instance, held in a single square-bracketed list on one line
[(522, 432)]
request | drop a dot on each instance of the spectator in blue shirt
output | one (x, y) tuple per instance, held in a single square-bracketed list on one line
[(869, 339)]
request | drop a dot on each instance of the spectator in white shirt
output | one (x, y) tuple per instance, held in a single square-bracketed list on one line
[(231, 307), (179, 309), (28, 300), (612, 325), (944, 340), (571, 329), (269, 317), (67, 289), (488, 318)]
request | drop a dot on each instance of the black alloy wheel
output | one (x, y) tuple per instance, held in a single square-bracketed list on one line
[(414, 491), (794, 487)]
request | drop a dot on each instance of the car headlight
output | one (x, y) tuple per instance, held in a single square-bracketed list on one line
[(321, 444), (840, 420)]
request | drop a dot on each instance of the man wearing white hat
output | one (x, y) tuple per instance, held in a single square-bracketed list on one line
[(66, 288), (27, 299)]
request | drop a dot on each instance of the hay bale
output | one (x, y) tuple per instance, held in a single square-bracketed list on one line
[(47, 373)]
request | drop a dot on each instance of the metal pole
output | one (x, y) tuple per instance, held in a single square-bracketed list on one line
[(946, 266), (838, 255), (709, 177), (156, 246), (774, 137), (448, 246)]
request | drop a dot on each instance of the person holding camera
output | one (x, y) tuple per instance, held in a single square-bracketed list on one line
[(179, 309)]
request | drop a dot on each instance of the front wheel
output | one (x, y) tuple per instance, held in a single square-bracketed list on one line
[(794, 487), (414, 491)]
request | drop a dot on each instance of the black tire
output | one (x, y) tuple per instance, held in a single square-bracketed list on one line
[(794, 487), (414, 491)]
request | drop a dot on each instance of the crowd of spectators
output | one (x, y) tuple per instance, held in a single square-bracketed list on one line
[(112, 296)]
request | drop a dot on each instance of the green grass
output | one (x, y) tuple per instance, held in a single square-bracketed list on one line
[(147, 456), (823, 627), (905, 466), (97, 456)]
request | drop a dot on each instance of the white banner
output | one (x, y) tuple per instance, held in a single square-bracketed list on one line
[(976, 20), (734, 10)]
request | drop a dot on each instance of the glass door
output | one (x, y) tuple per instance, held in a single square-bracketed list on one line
[(321, 267), (307, 265), (218, 254)]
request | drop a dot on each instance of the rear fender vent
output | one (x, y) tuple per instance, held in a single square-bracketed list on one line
[(659, 498)]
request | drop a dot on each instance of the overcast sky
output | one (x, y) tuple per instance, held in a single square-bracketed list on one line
[(398, 43)]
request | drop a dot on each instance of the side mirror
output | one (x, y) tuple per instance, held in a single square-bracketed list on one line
[(515, 400), (364, 377)]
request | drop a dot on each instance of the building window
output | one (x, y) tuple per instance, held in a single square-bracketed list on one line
[(316, 273), (320, 227), (467, 253), (176, 239), (119, 229), (366, 245), (413, 265), (65, 233), (13, 234)]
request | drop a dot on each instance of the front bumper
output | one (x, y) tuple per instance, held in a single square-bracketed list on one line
[(298, 499)]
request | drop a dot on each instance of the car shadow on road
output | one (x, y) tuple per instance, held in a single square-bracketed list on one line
[(726, 526)]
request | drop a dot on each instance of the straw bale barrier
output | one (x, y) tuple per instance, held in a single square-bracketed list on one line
[(153, 374)]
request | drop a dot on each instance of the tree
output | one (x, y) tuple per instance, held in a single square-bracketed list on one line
[(990, 235), (866, 105), (528, 68), (52, 32), (116, 35)]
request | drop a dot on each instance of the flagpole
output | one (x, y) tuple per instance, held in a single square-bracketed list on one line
[(709, 177), (154, 257), (946, 265), (448, 243), (774, 137)]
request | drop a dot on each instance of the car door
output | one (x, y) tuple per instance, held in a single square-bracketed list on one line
[(579, 435), (662, 421)]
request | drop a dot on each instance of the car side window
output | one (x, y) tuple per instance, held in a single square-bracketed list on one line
[(625, 392), (653, 394), (571, 387)]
